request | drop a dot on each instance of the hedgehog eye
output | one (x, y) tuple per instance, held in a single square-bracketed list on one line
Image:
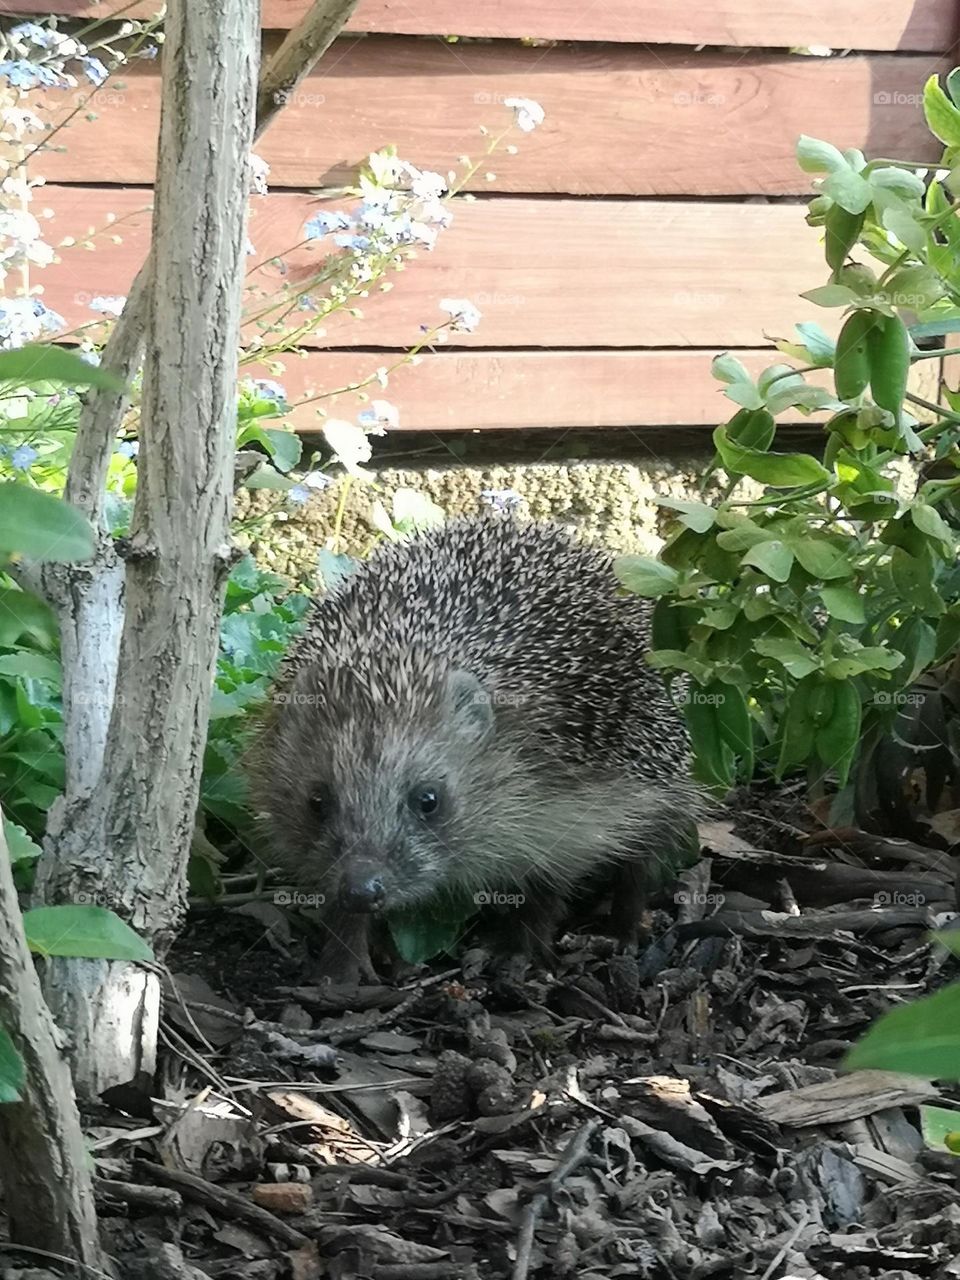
[(425, 800)]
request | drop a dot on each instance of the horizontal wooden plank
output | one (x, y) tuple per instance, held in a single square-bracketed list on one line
[(920, 25), (544, 273), (505, 390), (619, 121)]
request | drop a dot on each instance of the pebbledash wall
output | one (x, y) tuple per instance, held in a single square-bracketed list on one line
[(655, 218)]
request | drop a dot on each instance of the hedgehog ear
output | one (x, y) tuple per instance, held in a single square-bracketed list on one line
[(471, 706)]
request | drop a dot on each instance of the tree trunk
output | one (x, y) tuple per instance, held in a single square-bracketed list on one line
[(49, 1193), (125, 841)]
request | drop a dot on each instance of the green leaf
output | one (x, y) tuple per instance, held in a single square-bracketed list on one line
[(798, 728), (752, 428), (780, 470), (943, 118), (334, 568), (929, 521), (34, 665), (845, 604), (645, 576), (23, 615), (830, 295), (822, 558), (913, 579), (677, 660), (727, 368), (921, 1038), (92, 932), (714, 763), (841, 230), (420, 934), (848, 190), (814, 156), (940, 1127), (12, 1072), (285, 447), (837, 740), (774, 558), (695, 515), (29, 365), (20, 844), (791, 655), (817, 342), (863, 658), (37, 525)]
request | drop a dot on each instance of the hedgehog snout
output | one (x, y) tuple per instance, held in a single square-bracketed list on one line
[(362, 886)]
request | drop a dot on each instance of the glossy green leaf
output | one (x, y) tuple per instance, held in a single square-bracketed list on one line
[(695, 515), (791, 655), (844, 603), (89, 931), (34, 665), (814, 156), (822, 558), (943, 118), (940, 1127), (421, 934), (20, 845), (836, 741), (44, 528), (779, 470), (774, 558), (644, 576), (921, 1038), (31, 364)]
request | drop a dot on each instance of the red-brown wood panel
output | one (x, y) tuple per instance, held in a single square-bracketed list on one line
[(544, 273), (883, 24), (489, 390), (619, 120)]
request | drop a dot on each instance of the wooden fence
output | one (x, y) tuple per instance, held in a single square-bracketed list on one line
[(654, 218)]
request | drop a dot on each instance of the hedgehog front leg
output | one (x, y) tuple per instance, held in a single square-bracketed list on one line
[(628, 902), (345, 958), (528, 932)]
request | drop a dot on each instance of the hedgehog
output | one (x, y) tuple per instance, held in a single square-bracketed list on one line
[(469, 714)]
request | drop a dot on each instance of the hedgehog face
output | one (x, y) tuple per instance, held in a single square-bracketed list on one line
[(377, 798)]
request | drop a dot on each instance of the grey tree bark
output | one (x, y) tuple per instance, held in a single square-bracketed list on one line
[(49, 1200), (123, 833)]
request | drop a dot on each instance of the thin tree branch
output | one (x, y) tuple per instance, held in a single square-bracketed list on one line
[(303, 46)]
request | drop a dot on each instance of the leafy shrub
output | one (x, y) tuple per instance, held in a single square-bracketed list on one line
[(803, 611)]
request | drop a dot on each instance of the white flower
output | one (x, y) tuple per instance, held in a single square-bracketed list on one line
[(428, 185), (349, 444), (259, 169), (108, 306), (527, 113), (378, 415), (464, 316)]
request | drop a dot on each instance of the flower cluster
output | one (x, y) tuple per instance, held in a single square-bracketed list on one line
[(40, 57)]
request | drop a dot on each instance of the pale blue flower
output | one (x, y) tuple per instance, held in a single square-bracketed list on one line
[(306, 303), (270, 390), (359, 244), (22, 74), (321, 224), (90, 357), (428, 186), (33, 33), (149, 52), (23, 457), (128, 448), (298, 494), (312, 482), (94, 69)]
